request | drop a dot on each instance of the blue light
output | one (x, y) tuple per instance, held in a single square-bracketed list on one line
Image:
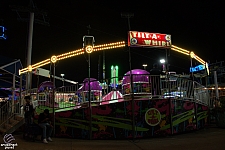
[(197, 68), (2, 32)]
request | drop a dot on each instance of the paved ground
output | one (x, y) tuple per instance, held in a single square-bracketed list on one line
[(205, 139)]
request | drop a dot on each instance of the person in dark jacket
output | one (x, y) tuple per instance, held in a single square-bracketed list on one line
[(29, 111), (44, 121), (155, 73)]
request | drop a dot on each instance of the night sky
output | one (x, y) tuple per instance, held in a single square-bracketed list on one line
[(194, 25)]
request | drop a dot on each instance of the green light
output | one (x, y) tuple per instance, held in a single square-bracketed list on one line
[(114, 75)]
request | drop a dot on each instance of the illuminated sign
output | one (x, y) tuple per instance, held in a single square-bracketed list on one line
[(152, 117), (145, 39), (197, 68), (2, 32)]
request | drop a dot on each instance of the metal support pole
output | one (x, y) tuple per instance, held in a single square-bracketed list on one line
[(192, 94), (131, 90), (13, 93), (89, 90), (21, 85), (89, 95), (29, 50), (169, 89), (103, 66), (167, 71), (53, 100), (216, 84), (171, 115), (216, 88), (128, 16)]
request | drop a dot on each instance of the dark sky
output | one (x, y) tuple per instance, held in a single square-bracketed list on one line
[(194, 25)]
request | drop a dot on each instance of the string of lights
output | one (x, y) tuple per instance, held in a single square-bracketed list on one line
[(71, 54), (99, 48)]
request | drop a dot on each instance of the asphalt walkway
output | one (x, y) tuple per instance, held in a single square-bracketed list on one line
[(205, 139)]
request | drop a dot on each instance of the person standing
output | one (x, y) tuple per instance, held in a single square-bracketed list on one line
[(44, 122), (29, 111)]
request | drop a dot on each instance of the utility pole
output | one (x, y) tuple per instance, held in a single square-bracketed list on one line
[(32, 10), (128, 16)]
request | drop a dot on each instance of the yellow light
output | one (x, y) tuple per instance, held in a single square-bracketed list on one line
[(42, 63), (200, 60), (186, 52), (192, 54), (23, 71), (89, 49), (29, 68), (180, 49), (110, 44), (54, 59), (98, 48), (207, 68)]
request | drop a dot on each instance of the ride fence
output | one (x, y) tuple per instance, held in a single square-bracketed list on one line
[(119, 88)]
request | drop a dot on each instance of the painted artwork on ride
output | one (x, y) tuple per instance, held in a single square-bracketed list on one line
[(114, 121), (184, 116)]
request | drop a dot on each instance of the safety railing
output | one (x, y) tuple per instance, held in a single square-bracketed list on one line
[(64, 96), (201, 94), (184, 88), (214, 97), (5, 111), (9, 110), (119, 89)]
